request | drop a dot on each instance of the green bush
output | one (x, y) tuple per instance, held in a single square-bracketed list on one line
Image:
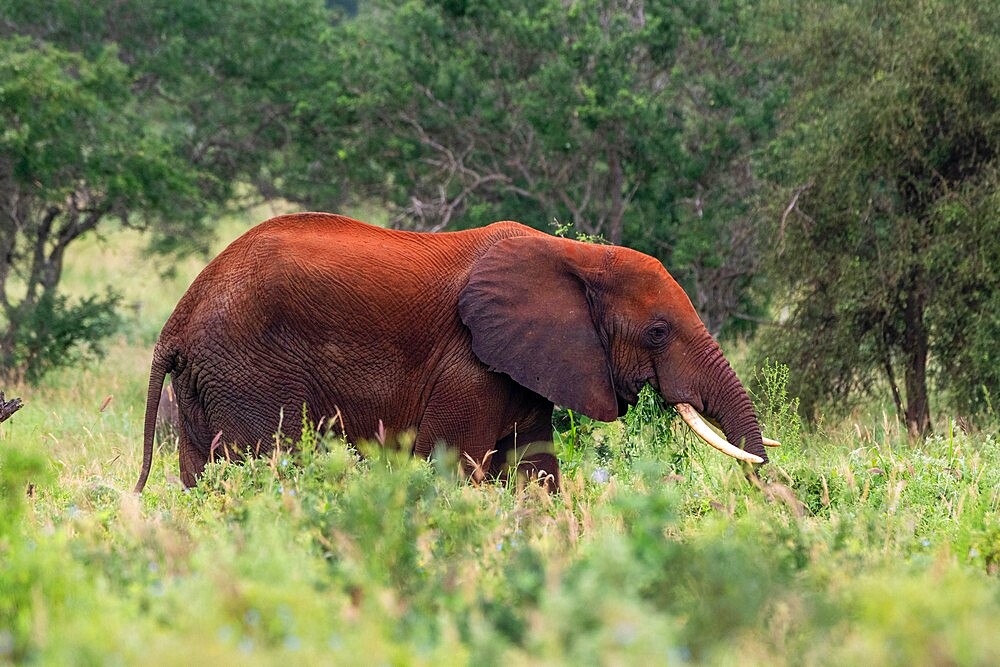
[(56, 333)]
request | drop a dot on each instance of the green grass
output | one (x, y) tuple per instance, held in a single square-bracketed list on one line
[(860, 548)]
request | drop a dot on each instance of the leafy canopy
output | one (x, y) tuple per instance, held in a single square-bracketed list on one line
[(886, 245), (151, 114), (73, 151), (628, 120)]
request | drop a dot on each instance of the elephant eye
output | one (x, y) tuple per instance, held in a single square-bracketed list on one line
[(657, 334)]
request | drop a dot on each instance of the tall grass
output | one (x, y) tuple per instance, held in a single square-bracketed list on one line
[(857, 545)]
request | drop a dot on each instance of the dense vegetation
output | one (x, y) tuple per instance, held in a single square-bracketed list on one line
[(888, 252), (861, 546), (151, 115), (823, 172), (833, 164), (629, 120)]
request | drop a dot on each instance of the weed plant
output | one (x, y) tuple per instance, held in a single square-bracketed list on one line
[(854, 546)]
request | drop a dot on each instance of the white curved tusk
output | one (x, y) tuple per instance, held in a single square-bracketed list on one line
[(698, 425), (767, 441)]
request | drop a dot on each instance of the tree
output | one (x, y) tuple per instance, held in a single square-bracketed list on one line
[(885, 243), (629, 119), (151, 114), (72, 153)]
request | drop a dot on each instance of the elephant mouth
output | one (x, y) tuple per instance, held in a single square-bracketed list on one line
[(630, 392), (629, 395)]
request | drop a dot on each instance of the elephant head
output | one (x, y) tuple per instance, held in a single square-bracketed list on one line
[(587, 326)]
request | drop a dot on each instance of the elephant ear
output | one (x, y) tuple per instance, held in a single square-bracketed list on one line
[(527, 306)]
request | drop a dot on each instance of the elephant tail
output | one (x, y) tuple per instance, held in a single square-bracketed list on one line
[(163, 363)]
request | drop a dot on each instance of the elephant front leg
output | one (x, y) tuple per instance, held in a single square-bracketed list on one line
[(536, 463), (528, 451), (496, 426), (528, 454)]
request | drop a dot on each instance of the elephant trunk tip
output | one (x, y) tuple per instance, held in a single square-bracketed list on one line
[(702, 429)]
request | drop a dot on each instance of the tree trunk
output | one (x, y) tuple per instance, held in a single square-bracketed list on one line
[(896, 398), (918, 415)]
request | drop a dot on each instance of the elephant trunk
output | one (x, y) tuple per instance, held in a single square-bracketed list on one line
[(726, 402)]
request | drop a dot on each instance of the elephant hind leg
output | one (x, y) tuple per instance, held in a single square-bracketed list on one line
[(192, 461), (193, 440)]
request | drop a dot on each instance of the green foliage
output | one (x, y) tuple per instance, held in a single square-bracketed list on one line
[(316, 555), (856, 544), (631, 121), (778, 412), (19, 578), (71, 152), (648, 430), (18, 469), (885, 239), (58, 333), (153, 115)]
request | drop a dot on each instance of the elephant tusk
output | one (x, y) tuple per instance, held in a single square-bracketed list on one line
[(698, 425)]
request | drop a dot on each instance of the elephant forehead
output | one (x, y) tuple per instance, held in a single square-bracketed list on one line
[(644, 282)]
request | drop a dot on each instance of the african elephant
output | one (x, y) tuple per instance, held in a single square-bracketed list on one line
[(468, 338)]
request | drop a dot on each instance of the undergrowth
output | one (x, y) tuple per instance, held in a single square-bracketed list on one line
[(854, 545)]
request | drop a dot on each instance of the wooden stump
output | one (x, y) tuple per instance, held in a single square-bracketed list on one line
[(7, 408)]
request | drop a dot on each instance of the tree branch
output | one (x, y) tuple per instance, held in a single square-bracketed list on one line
[(8, 408), (792, 206)]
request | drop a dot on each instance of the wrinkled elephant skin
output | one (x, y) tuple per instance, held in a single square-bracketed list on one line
[(466, 338)]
